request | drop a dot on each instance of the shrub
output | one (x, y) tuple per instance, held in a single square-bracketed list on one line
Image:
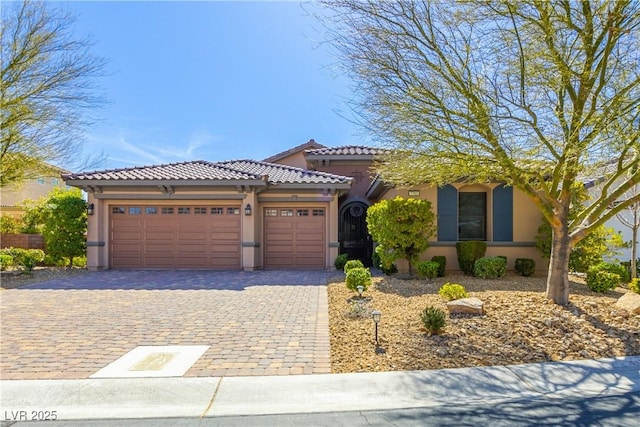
[(452, 291), (25, 258), (427, 269), (6, 261), (9, 224), (340, 261), (601, 281), (354, 263), (433, 319), (468, 253), (634, 285), (358, 276), (525, 266), (388, 268), (615, 268), (442, 264), (490, 267)]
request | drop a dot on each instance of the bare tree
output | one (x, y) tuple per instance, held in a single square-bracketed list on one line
[(532, 93), (47, 90)]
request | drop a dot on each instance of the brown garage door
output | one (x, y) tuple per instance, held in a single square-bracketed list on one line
[(294, 237), (187, 236)]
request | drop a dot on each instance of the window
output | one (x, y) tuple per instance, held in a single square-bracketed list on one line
[(302, 212), (167, 211), (271, 212), (472, 216), (151, 210), (286, 212), (318, 212), (117, 210), (40, 180), (135, 211), (54, 181), (233, 211), (199, 211), (217, 211), (183, 210)]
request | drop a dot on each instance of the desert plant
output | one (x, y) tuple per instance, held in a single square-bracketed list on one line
[(442, 264), (427, 269), (358, 276), (353, 263), (601, 280), (490, 267), (525, 266), (634, 285), (65, 224), (6, 261), (340, 261), (468, 253), (433, 319), (452, 291)]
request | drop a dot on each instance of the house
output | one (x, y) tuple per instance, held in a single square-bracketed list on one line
[(12, 196), (297, 209)]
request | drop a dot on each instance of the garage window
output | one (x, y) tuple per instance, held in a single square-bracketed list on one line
[(183, 210), (167, 211), (318, 212), (302, 212), (286, 212), (151, 210), (233, 211), (117, 210), (271, 212), (217, 211), (135, 211), (199, 211)]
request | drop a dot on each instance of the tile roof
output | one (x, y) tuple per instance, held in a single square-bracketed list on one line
[(346, 150), (285, 174), (194, 170), (311, 144)]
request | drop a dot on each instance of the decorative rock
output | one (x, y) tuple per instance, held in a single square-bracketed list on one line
[(630, 302), (466, 306)]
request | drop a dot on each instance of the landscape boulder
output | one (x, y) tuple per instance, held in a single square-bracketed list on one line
[(466, 306), (630, 302)]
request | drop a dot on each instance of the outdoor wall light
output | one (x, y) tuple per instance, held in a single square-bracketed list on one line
[(90, 209), (376, 319), (247, 210)]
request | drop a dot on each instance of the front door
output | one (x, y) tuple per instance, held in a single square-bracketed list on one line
[(355, 240)]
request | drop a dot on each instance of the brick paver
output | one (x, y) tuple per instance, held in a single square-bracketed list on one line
[(256, 323)]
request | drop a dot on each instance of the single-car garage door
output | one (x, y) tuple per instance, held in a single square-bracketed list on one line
[(187, 236), (294, 237)]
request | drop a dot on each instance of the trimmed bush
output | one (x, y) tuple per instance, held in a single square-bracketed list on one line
[(340, 261), (615, 268), (6, 261), (353, 263), (490, 267), (358, 276), (433, 319), (442, 264), (453, 291), (601, 281), (427, 269), (468, 253), (525, 266), (26, 259), (634, 285)]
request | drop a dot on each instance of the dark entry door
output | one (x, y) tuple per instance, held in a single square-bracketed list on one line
[(354, 235)]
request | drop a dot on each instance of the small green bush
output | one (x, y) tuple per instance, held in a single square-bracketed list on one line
[(9, 224), (468, 253), (433, 319), (634, 285), (377, 262), (442, 264), (453, 291), (490, 267), (525, 266), (6, 261), (353, 263), (358, 276), (27, 259), (340, 261), (601, 281), (427, 269), (613, 267)]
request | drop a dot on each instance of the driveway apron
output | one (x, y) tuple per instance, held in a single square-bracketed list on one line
[(255, 323)]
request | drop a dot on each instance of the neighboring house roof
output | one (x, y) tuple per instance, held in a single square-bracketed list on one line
[(345, 150), (279, 174), (311, 144)]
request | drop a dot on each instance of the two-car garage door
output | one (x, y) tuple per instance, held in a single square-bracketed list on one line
[(175, 237)]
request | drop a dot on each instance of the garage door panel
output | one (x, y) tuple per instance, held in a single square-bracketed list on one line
[(161, 237)]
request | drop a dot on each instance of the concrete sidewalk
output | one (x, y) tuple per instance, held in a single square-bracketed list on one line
[(228, 396)]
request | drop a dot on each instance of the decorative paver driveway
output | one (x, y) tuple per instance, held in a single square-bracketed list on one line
[(256, 323)]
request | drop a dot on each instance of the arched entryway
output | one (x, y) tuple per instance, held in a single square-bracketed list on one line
[(355, 240)]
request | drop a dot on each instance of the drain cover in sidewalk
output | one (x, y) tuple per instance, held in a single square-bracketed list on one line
[(153, 361)]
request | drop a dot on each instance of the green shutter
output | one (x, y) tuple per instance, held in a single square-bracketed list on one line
[(447, 214), (503, 214)]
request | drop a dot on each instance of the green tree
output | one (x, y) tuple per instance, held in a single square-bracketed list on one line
[(536, 94), (402, 228), (65, 224), (47, 90)]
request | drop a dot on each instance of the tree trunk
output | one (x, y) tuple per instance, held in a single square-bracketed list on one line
[(558, 277), (634, 251)]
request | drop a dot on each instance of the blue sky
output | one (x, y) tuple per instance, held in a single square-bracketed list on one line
[(212, 80)]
